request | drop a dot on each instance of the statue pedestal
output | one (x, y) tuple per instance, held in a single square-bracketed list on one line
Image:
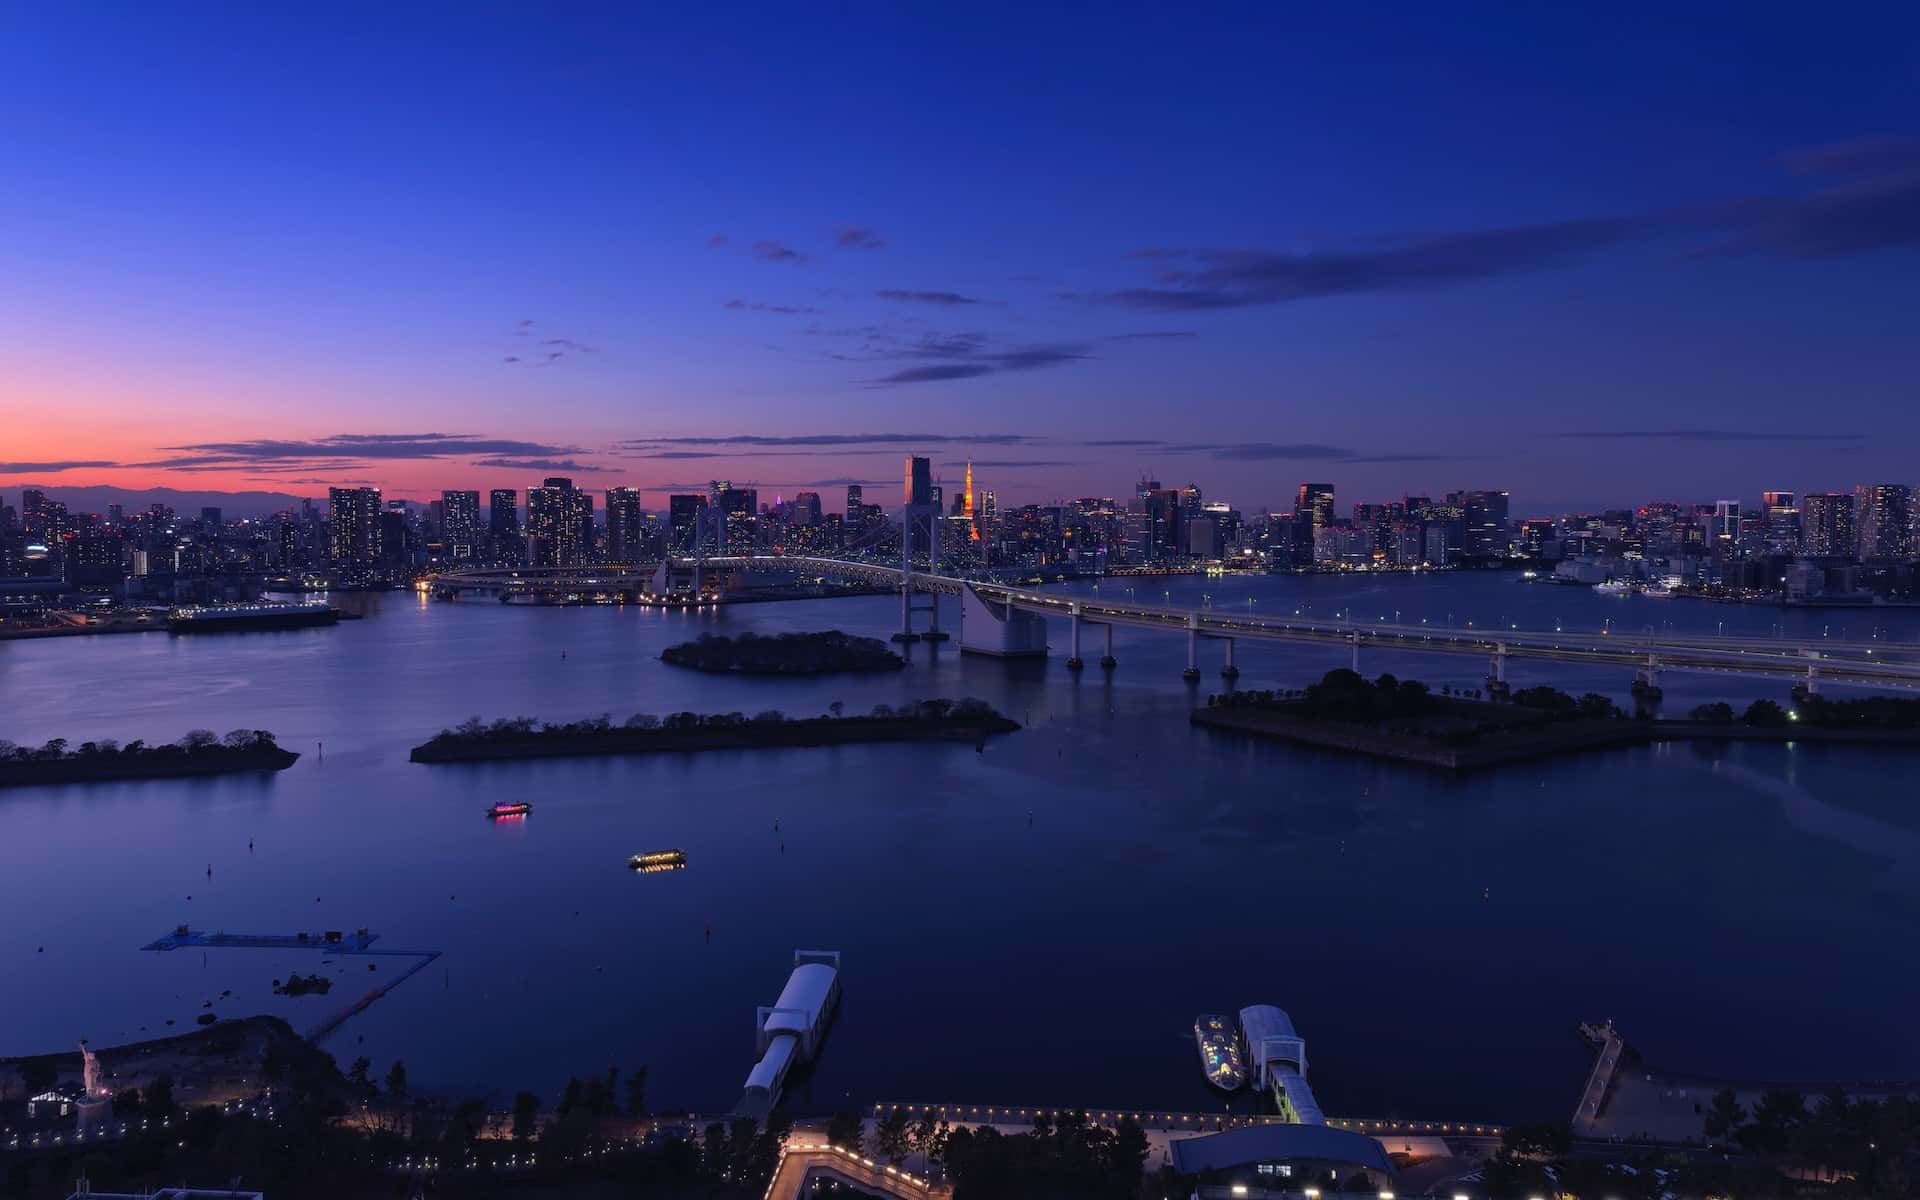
[(94, 1112)]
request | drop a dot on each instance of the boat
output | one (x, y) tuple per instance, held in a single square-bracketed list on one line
[(1657, 591), (1614, 587), (1218, 1039), (220, 618), (503, 809), (658, 860)]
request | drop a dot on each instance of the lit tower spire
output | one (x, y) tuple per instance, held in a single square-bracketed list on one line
[(966, 505)]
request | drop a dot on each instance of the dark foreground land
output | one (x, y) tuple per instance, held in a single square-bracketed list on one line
[(199, 753), (1402, 721), (930, 720), (828, 653)]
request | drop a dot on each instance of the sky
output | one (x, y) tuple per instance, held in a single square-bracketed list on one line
[(1591, 254)]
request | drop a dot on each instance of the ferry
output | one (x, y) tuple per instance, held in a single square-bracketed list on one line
[(503, 809), (1657, 591), (1218, 1038), (1614, 587), (212, 618), (659, 860)]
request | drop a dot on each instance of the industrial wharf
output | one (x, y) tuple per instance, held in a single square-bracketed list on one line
[(359, 943)]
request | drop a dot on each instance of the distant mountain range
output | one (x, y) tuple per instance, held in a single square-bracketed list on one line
[(95, 498)]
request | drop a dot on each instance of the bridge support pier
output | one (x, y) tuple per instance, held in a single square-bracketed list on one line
[(1107, 660), (1229, 672), (1355, 664), (1192, 673), (906, 633), (1074, 662), (1497, 672)]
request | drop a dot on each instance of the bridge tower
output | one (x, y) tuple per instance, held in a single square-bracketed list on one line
[(914, 517)]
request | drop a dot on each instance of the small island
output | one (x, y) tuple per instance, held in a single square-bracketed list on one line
[(198, 753), (301, 985), (928, 720), (1403, 720), (828, 653)]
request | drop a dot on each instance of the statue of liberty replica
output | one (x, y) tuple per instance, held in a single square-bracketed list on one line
[(96, 1098)]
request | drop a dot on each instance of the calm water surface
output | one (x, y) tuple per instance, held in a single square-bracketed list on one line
[(1037, 923)]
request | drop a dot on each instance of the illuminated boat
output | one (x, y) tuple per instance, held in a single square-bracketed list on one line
[(1614, 587), (659, 860), (220, 618), (498, 811), (1218, 1038)]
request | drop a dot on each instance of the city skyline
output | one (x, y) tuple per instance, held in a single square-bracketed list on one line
[(1596, 296)]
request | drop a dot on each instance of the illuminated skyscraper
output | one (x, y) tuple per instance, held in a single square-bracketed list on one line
[(460, 517), (624, 525), (1883, 513), (1826, 525), (559, 524), (353, 527)]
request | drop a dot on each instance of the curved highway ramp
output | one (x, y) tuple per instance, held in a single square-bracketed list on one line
[(801, 1163)]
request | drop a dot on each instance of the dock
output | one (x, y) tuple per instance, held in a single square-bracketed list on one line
[(357, 944)]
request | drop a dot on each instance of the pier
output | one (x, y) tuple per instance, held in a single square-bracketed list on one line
[(357, 944)]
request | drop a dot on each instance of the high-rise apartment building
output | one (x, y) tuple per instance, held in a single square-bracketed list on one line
[(503, 524), (1883, 515), (353, 527), (625, 525), (559, 524), (1826, 525), (460, 525)]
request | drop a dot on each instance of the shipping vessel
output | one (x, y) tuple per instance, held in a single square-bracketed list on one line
[(503, 809), (226, 618), (658, 860), (1218, 1038)]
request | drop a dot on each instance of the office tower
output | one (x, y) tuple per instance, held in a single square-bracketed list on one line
[(504, 543), (33, 512), (559, 524), (625, 525), (806, 509), (460, 525), (95, 562), (353, 526), (1782, 532), (398, 539), (1723, 527), (919, 481), (1485, 518), (1883, 514), (727, 521), (683, 522), (1826, 525), (116, 515), (210, 518), (856, 500), (1314, 504)]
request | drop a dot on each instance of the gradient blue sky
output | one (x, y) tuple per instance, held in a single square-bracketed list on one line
[(1399, 247)]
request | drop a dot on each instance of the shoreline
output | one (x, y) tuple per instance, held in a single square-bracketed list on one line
[(813, 731), (104, 769), (1542, 740)]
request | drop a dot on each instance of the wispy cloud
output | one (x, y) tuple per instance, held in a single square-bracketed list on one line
[(567, 465), (717, 240), (857, 237), (839, 439), (771, 251), (51, 466), (943, 299), (1871, 203), (1153, 335), (1009, 464), (758, 306), (1712, 435), (1020, 358), (349, 447)]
